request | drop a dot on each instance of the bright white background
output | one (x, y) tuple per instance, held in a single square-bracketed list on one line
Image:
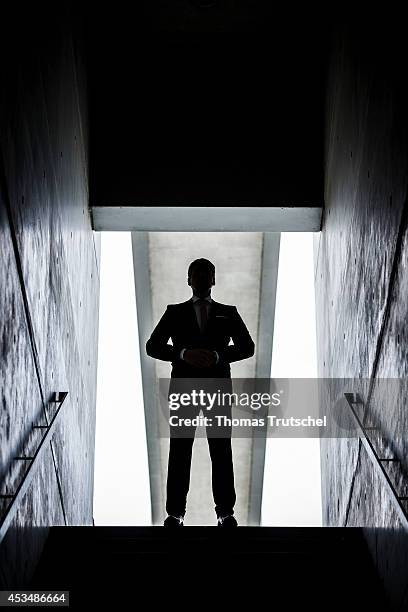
[(291, 492), (292, 470), (121, 490)]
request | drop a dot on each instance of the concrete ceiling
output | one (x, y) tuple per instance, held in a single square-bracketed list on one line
[(196, 107)]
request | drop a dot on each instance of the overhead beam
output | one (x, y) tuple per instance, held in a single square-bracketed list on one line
[(207, 218)]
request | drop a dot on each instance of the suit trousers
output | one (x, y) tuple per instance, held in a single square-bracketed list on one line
[(179, 461)]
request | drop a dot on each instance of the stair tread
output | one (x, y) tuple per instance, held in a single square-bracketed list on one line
[(106, 562)]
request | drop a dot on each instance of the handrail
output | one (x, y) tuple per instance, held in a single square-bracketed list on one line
[(25, 482), (352, 399)]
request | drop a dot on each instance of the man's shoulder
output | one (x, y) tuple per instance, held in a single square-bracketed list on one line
[(178, 305), (219, 305), (228, 308)]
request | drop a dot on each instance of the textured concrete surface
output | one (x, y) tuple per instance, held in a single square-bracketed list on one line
[(49, 282), (16, 364), (361, 279)]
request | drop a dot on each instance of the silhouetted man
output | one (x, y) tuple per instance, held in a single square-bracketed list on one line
[(201, 330)]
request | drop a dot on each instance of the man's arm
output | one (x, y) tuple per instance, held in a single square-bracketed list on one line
[(217, 357), (157, 345), (243, 346)]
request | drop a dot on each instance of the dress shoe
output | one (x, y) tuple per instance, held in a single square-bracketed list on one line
[(174, 521), (227, 521)]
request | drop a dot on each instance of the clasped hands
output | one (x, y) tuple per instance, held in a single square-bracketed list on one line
[(199, 357)]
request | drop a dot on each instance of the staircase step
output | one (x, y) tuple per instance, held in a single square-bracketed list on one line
[(100, 564), (307, 536)]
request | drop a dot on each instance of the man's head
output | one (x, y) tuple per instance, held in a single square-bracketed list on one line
[(201, 277)]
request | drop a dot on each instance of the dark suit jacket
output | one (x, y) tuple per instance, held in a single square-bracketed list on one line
[(179, 322)]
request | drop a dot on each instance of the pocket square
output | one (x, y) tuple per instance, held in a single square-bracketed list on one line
[(221, 316)]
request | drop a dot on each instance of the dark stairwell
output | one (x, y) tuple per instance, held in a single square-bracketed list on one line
[(297, 568), (268, 153)]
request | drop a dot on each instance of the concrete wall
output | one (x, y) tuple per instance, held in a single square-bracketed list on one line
[(49, 279), (361, 277)]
